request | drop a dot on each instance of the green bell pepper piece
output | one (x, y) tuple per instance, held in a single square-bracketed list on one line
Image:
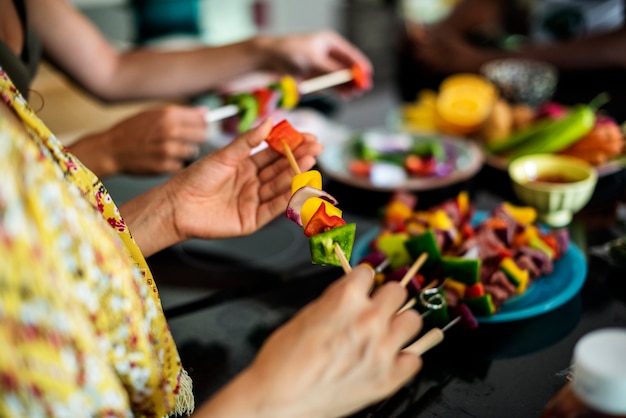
[(322, 245)]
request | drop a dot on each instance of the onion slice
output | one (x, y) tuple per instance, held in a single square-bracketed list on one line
[(302, 195)]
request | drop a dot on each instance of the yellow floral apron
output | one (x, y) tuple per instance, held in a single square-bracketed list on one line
[(82, 330)]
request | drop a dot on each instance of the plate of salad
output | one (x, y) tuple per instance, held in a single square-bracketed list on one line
[(385, 160)]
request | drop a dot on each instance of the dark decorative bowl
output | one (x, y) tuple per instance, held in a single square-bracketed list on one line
[(522, 80)]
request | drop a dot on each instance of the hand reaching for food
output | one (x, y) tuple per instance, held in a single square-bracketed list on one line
[(339, 354)]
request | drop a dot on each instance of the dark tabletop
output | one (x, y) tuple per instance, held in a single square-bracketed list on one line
[(222, 304)]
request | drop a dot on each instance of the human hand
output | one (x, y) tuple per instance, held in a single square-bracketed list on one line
[(338, 355), (313, 54), (230, 193), (443, 51), (155, 141)]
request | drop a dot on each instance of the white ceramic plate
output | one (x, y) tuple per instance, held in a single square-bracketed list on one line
[(468, 159)]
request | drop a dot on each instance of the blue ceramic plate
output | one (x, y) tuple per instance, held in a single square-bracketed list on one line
[(545, 294)]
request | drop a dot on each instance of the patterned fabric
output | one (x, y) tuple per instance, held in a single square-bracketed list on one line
[(82, 330)]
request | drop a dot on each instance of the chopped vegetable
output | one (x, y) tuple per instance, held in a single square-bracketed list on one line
[(321, 221), (311, 178), (290, 93), (518, 277), (311, 205), (481, 305), (465, 270), (284, 132), (302, 196), (361, 78), (322, 248), (248, 110), (424, 243)]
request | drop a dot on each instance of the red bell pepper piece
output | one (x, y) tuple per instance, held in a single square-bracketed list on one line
[(551, 242), (474, 290), (361, 79), (360, 167), (284, 132), (263, 97), (322, 222)]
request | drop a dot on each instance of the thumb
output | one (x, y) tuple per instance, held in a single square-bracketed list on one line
[(241, 146)]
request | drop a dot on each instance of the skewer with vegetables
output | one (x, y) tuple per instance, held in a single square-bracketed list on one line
[(284, 94), (480, 264), (330, 238)]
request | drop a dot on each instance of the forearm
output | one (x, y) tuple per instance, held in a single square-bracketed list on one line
[(596, 52), (243, 397), (78, 48), (150, 219), (178, 74)]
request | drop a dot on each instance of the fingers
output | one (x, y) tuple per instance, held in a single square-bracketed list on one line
[(241, 147)]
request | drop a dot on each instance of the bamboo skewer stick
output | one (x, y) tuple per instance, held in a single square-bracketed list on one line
[(414, 268), (291, 158), (427, 341), (294, 166), (342, 258), (306, 87)]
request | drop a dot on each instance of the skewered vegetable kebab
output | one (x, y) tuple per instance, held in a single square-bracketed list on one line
[(330, 238), (284, 94)]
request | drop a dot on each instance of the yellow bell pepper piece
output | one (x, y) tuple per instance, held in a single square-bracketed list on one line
[(524, 215), (464, 202), (440, 220), (455, 286), (398, 211), (312, 178), (311, 205), (517, 276), (291, 94)]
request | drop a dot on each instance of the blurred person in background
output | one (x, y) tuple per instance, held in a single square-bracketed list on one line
[(158, 140), (583, 39)]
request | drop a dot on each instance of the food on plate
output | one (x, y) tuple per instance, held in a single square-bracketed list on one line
[(311, 207), (556, 135), (464, 102), (479, 262), (499, 123), (598, 146), (468, 105), (578, 131), (412, 155)]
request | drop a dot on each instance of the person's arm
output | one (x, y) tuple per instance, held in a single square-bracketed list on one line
[(76, 46), (444, 46), (339, 354), (224, 194), (159, 140), (601, 51)]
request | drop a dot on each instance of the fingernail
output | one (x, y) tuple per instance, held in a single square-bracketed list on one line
[(370, 268)]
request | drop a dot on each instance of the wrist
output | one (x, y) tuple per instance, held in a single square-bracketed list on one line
[(247, 396), (150, 217)]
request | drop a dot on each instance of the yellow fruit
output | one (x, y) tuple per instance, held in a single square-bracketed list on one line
[(464, 102)]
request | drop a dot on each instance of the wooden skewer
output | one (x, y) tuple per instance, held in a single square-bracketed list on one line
[(342, 258), (414, 268), (291, 158), (294, 166), (427, 341), (306, 87)]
